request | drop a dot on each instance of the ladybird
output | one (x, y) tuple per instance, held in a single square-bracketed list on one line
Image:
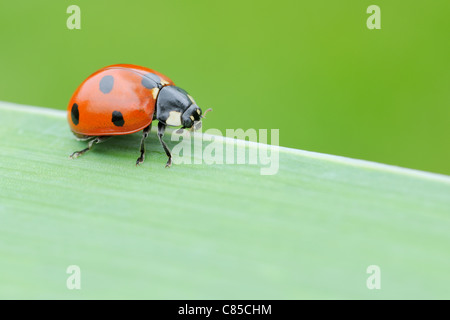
[(123, 99)]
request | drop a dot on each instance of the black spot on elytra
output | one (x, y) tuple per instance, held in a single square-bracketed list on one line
[(75, 114), (106, 84), (117, 119), (151, 80)]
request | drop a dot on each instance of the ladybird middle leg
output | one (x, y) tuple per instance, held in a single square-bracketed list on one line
[(161, 129), (145, 132), (95, 140)]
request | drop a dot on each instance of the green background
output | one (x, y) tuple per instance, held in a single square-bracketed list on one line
[(310, 68)]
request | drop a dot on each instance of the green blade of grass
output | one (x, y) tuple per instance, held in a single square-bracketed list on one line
[(210, 231)]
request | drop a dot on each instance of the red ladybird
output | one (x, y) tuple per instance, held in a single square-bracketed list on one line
[(123, 99)]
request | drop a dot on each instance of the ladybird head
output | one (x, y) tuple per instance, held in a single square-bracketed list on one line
[(192, 115), (175, 107)]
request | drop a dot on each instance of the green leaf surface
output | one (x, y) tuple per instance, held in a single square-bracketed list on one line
[(221, 231)]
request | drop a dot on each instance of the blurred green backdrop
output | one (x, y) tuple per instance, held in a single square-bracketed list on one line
[(310, 68)]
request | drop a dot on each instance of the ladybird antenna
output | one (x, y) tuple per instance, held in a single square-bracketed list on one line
[(204, 115)]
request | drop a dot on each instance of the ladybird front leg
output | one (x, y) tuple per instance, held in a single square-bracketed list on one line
[(161, 129), (95, 140), (145, 133)]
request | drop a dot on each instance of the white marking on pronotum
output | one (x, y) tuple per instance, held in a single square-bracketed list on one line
[(192, 99), (155, 92), (174, 118)]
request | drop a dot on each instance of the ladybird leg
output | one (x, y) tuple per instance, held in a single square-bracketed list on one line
[(180, 131), (144, 136), (161, 129), (95, 140)]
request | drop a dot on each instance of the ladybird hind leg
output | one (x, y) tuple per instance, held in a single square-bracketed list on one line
[(145, 133), (161, 129), (82, 137), (91, 143)]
